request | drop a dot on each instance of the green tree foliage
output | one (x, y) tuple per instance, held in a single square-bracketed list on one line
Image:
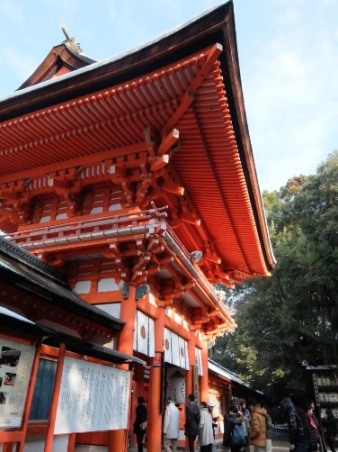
[(291, 318)]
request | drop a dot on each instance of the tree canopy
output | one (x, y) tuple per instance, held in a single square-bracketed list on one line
[(290, 320)]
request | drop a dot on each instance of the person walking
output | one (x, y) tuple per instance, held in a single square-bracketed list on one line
[(205, 434), (258, 426), (268, 433), (298, 437), (171, 426), (318, 425), (329, 424), (140, 424), (246, 423), (214, 420), (311, 429), (192, 421), (227, 430)]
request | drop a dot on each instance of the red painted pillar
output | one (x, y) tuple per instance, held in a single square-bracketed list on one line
[(127, 314), (30, 393), (204, 378), (118, 438), (189, 388), (154, 434), (189, 377), (55, 398)]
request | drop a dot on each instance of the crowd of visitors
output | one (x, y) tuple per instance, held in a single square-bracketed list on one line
[(245, 429)]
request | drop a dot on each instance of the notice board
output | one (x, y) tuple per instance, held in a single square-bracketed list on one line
[(92, 397), (16, 362)]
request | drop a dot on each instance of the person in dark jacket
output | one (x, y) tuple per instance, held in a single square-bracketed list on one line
[(303, 430), (329, 424), (297, 433), (192, 421), (227, 430), (141, 418)]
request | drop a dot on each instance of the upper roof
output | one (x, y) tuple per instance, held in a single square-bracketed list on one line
[(187, 80)]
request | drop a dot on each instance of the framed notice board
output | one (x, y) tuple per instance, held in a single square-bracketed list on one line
[(16, 362), (92, 397)]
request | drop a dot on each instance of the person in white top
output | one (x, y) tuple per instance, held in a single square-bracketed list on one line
[(171, 426), (206, 434)]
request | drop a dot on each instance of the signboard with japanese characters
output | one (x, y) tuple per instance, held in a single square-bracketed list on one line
[(16, 362), (92, 397)]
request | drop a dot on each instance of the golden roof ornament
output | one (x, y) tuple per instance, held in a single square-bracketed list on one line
[(70, 43)]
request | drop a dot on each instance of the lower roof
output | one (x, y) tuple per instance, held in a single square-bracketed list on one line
[(12, 324), (27, 272)]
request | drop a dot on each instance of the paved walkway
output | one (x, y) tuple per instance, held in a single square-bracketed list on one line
[(279, 444)]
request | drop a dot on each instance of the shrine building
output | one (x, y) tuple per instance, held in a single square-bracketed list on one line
[(132, 182)]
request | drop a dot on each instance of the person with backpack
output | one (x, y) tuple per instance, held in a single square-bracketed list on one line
[(192, 421), (237, 438)]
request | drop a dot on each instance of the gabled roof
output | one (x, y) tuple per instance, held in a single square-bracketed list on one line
[(62, 59), (187, 80)]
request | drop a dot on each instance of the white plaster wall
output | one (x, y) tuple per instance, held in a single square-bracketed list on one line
[(60, 444), (88, 448), (36, 445), (113, 309)]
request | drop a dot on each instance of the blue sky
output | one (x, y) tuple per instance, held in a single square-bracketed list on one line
[(288, 52)]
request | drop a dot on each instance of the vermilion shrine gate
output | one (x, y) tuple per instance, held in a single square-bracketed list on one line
[(134, 177)]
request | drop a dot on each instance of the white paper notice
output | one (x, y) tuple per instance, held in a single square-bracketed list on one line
[(92, 398)]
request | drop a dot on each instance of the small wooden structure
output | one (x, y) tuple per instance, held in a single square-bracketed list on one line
[(226, 389), (134, 177)]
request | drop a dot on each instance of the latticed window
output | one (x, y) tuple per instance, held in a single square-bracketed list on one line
[(46, 208), (43, 390)]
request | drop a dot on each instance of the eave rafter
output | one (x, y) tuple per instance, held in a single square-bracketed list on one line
[(188, 97), (210, 322), (86, 124)]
